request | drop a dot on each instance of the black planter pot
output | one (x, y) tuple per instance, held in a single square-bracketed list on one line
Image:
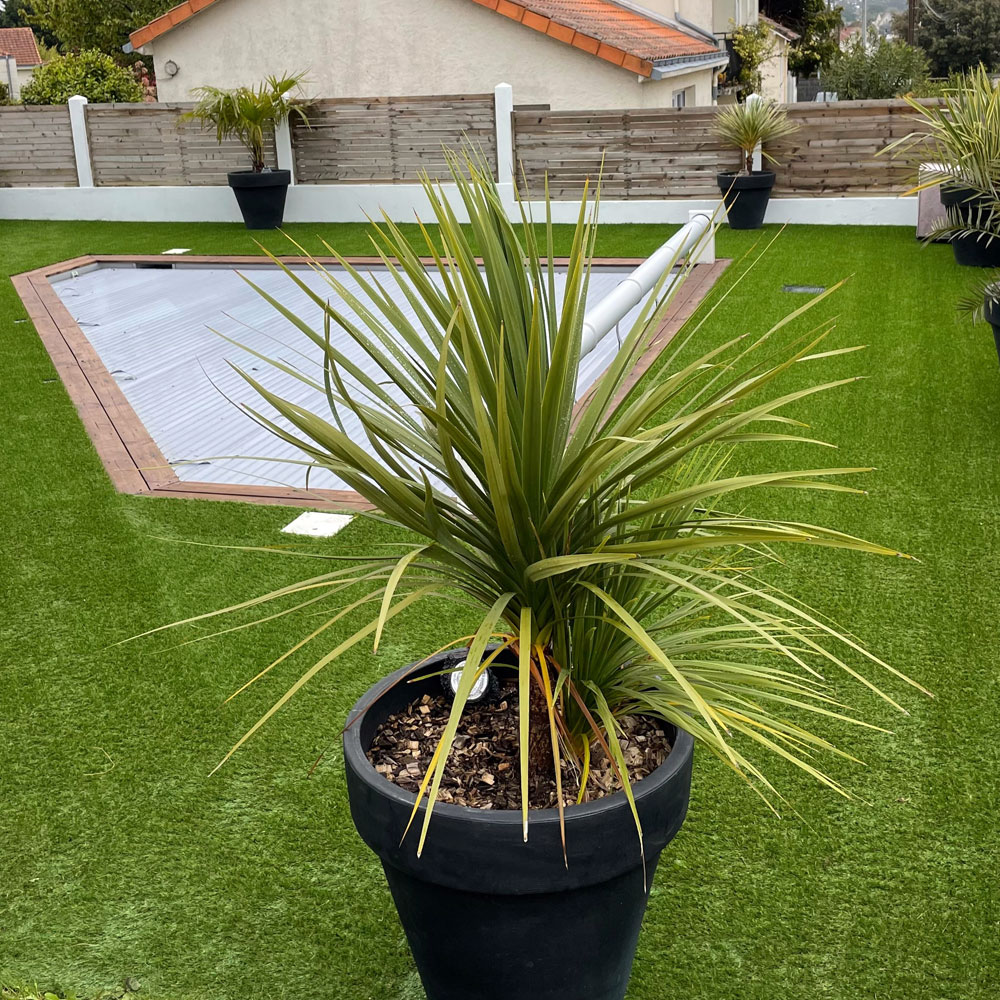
[(261, 196), (746, 197), (991, 312), (490, 917), (964, 205)]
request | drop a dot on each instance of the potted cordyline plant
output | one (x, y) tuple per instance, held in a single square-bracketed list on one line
[(250, 114), (983, 303), (957, 147), (615, 593), (747, 127)]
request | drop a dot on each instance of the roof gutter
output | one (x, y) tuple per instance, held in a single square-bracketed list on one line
[(691, 26), (677, 66)]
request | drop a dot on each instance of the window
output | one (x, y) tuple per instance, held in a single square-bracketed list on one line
[(682, 98)]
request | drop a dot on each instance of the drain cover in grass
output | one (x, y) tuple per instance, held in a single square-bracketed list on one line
[(808, 289)]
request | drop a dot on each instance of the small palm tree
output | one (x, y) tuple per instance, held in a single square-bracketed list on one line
[(751, 124), (602, 548), (249, 113), (958, 138)]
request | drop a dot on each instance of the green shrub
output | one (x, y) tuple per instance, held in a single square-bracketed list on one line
[(91, 74), (876, 72), (754, 45)]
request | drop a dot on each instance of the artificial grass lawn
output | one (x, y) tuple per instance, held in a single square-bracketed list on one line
[(119, 856)]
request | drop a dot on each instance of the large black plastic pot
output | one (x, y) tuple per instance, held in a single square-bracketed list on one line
[(490, 917), (261, 196), (746, 197), (964, 205), (991, 312)]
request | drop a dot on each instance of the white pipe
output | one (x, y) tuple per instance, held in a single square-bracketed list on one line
[(603, 316)]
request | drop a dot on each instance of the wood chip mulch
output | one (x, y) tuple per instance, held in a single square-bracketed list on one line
[(483, 769)]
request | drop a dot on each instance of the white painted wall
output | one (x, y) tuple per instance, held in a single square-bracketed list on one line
[(396, 47), (774, 72), (359, 202)]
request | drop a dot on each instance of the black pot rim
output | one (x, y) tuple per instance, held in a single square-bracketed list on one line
[(954, 193), (355, 755), (259, 178), (756, 179)]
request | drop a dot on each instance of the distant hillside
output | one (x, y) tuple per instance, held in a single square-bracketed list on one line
[(852, 8)]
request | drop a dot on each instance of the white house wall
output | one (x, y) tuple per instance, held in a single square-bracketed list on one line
[(384, 47), (774, 72)]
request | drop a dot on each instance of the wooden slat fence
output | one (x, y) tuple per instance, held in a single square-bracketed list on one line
[(835, 150), (389, 139), (672, 153), (133, 145), (36, 147), (646, 153)]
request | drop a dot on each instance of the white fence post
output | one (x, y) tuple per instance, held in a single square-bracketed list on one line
[(503, 109), (757, 157), (81, 144), (283, 148)]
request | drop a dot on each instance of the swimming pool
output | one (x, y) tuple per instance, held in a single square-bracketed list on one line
[(144, 334)]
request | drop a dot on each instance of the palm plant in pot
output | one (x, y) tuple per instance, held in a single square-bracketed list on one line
[(957, 147), (983, 302), (607, 594), (747, 127), (251, 114)]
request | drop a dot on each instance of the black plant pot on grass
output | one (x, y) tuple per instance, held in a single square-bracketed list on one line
[(261, 196), (965, 205), (490, 917), (991, 313), (746, 197)]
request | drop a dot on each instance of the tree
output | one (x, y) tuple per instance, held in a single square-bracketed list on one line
[(879, 71), (103, 25), (818, 26), (91, 74), (958, 35), (753, 45), (16, 14)]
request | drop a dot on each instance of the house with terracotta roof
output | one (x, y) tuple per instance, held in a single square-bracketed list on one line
[(19, 58), (567, 54)]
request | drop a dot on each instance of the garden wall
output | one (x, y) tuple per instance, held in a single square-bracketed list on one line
[(672, 153), (390, 139), (139, 144), (662, 153), (363, 156), (836, 148), (36, 147)]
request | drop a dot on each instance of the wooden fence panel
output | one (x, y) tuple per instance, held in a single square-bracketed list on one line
[(389, 139), (836, 150), (149, 144), (646, 153), (640, 154), (36, 147)]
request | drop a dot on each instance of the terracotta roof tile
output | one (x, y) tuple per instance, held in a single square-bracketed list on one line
[(20, 43), (614, 33), (617, 34), (173, 17)]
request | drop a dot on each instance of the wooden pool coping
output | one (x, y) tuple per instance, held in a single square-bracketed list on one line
[(131, 457)]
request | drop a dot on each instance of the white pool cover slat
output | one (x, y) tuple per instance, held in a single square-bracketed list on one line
[(153, 330)]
